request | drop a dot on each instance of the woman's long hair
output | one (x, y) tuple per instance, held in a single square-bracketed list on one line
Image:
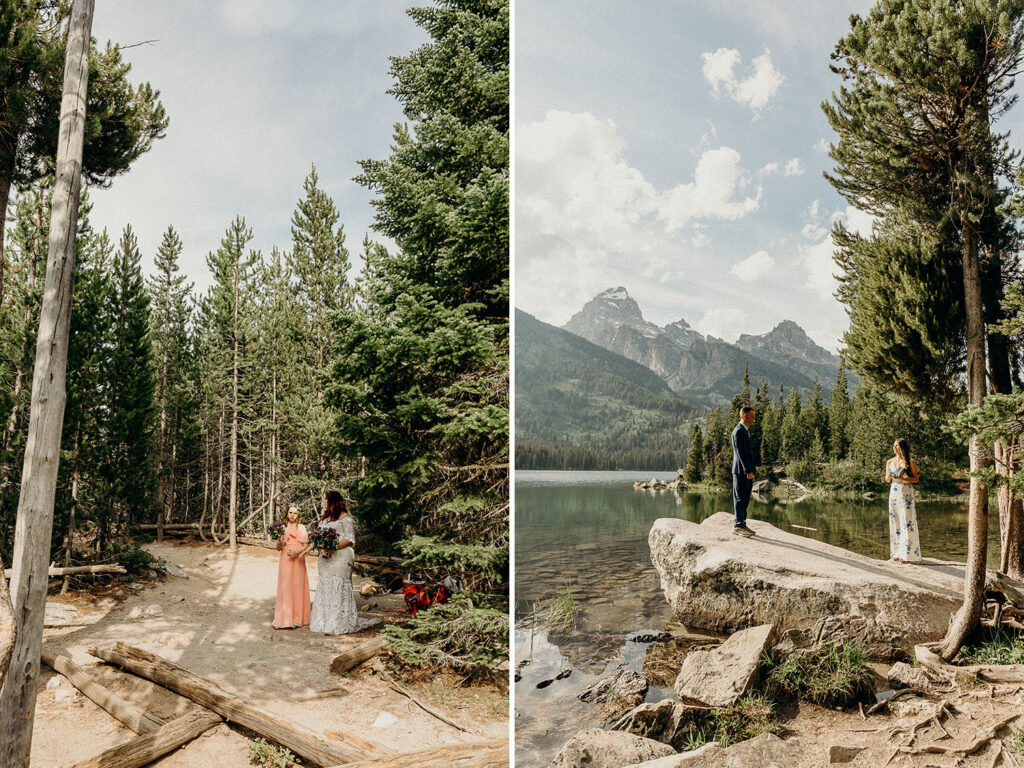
[(903, 449), (335, 506)]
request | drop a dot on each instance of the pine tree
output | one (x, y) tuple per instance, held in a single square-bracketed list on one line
[(839, 417), (130, 377), (814, 420), (170, 299), (796, 440), (692, 472)]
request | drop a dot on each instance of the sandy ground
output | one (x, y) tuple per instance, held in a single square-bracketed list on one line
[(215, 622)]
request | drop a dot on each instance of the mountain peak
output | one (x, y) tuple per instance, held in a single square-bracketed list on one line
[(616, 300), (786, 340)]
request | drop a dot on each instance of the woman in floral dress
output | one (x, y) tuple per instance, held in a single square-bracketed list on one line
[(901, 474), (334, 609)]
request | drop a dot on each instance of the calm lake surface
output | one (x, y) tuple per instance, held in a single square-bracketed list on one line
[(587, 532)]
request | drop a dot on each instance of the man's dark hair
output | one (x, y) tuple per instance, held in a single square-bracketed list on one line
[(745, 410)]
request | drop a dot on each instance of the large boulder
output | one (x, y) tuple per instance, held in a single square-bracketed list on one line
[(595, 748), (668, 721), (717, 581), (717, 677), (764, 751)]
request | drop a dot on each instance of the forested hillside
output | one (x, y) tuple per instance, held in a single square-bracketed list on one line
[(579, 406)]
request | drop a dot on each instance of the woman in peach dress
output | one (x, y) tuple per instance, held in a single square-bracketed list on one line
[(292, 607)]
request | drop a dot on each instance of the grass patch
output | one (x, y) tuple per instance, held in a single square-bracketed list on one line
[(261, 752), (752, 715), (992, 646), (832, 676), (1017, 740), (559, 614)]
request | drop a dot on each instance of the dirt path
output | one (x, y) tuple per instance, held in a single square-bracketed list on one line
[(214, 620)]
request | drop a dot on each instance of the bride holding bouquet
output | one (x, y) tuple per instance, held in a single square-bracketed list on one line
[(334, 609)]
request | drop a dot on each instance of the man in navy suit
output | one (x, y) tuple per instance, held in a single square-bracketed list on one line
[(743, 466)]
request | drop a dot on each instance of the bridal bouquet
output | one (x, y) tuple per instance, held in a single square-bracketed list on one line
[(276, 532), (325, 540)]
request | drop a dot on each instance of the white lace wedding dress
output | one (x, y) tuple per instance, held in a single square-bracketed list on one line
[(334, 610)]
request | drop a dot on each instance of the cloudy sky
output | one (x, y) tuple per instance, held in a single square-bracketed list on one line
[(257, 91), (677, 149)]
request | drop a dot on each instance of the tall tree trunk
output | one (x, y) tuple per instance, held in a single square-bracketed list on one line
[(69, 543), (49, 394), (969, 614)]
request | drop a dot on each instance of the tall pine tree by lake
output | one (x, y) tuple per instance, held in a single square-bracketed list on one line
[(422, 381)]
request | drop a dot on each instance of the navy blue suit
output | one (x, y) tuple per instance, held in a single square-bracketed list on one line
[(743, 464)]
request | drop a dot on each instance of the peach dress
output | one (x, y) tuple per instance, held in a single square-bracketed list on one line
[(292, 606)]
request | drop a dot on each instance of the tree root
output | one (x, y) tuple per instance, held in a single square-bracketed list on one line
[(981, 740)]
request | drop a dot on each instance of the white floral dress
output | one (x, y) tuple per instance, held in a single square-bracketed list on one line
[(904, 540), (334, 610)]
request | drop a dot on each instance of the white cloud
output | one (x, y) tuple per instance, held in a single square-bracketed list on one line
[(794, 168), (822, 146), (755, 91), (815, 260), (756, 266), (583, 213), (769, 168), (855, 220), (813, 209), (724, 322), (813, 231)]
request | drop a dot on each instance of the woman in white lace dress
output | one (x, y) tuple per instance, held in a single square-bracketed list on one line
[(901, 474), (334, 610)]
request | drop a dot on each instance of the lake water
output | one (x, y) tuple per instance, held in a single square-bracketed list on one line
[(586, 532)]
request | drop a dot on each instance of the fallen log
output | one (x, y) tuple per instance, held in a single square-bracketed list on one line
[(477, 754), (137, 719), (76, 569), (298, 739), (145, 749), (356, 656), (170, 527), (989, 673)]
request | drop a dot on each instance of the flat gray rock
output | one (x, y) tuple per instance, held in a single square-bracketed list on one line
[(717, 581), (620, 684), (596, 748), (717, 677), (764, 751), (60, 614), (902, 675)]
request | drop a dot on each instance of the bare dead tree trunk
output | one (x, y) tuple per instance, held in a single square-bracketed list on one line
[(969, 614), (49, 394)]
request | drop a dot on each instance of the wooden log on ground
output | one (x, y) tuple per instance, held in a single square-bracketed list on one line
[(989, 673), (477, 754), (135, 718), (145, 749), (206, 693), (74, 570), (356, 656), (170, 527)]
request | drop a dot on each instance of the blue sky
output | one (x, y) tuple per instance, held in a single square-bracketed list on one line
[(677, 148), (257, 91)]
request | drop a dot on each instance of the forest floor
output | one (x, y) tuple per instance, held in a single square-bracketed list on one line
[(213, 618)]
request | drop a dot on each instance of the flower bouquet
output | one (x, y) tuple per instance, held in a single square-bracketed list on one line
[(324, 540), (276, 532)]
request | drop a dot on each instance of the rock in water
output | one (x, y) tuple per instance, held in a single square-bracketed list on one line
[(714, 580), (608, 749), (670, 722), (719, 676), (620, 684), (764, 751)]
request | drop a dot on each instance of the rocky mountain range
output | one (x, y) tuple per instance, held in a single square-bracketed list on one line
[(703, 369)]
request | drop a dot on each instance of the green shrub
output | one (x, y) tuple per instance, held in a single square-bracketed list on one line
[(261, 752), (802, 471), (833, 676), (469, 634), (478, 565), (133, 557), (850, 475), (751, 716), (992, 646)]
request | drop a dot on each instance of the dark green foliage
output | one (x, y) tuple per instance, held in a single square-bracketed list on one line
[(992, 646), (839, 410), (479, 567), (133, 557), (694, 469), (456, 634)]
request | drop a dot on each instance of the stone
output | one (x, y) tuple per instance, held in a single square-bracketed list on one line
[(174, 639), (716, 581), (64, 694), (668, 721), (135, 613), (136, 586), (54, 682), (763, 487), (717, 677), (154, 610), (60, 614), (838, 753), (596, 748), (902, 675), (175, 570), (764, 751), (909, 706), (384, 720), (620, 684)]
